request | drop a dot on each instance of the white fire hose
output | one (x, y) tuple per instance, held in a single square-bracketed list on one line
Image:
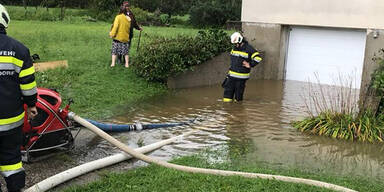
[(148, 159), (69, 174)]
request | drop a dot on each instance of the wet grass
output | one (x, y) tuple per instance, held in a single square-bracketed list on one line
[(98, 90), (155, 178)]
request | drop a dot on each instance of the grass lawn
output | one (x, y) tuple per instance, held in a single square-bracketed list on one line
[(154, 178), (96, 88)]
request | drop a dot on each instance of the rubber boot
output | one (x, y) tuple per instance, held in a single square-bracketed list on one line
[(15, 182)]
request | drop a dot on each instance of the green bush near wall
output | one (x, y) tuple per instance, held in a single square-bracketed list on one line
[(377, 82), (164, 57), (378, 75)]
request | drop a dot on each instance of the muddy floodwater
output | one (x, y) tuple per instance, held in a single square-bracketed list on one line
[(259, 128)]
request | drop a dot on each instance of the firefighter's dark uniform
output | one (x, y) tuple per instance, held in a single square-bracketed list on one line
[(17, 87), (234, 84)]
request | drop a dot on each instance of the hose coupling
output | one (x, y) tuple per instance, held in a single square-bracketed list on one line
[(139, 126), (71, 115)]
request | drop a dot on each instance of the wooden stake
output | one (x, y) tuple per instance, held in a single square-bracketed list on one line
[(50, 65)]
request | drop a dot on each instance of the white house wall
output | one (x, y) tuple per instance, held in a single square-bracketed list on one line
[(331, 13)]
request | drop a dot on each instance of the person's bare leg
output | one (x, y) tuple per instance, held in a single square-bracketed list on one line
[(126, 60), (113, 60)]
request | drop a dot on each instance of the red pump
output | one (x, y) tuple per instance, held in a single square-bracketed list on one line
[(50, 130)]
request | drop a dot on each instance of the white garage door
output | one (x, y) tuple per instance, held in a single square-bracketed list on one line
[(325, 55)]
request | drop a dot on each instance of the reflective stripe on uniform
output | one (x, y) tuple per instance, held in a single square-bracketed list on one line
[(239, 54), (227, 100), (29, 86), (13, 122), (10, 66), (29, 92), (7, 66), (239, 75), (8, 170), (255, 57), (254, 54), (27, 72), (7, 59)]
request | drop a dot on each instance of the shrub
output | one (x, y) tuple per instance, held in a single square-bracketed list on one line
[(165, 57), (378, 75), (47, 15), (141, 15), (377, 82), (44, 14)]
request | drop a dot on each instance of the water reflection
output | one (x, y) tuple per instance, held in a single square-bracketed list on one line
[(258, 129)]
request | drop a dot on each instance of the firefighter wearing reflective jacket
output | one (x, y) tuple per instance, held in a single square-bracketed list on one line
[(243, 58), (17, 87)]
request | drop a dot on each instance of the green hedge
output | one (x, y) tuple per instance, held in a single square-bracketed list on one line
[(44, 14), (165, 57)]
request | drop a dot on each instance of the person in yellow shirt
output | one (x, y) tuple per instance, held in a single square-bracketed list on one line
[(120, 35)]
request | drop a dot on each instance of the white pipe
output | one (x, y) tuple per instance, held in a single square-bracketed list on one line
[(69, 174), (148, 159)]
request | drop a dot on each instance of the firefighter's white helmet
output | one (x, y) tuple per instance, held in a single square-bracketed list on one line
[(4, 16), (236, 37)]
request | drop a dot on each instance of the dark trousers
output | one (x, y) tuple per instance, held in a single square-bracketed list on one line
[(10, 154), (234, 87)]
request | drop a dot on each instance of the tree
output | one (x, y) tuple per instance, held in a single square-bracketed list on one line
[(214, 12), (174, 7), (105, 9), (148, 5)]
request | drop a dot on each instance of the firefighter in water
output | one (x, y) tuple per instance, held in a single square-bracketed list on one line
[(17, 87), (243, 58)]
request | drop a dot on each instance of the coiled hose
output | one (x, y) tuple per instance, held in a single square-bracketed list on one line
[(148, 159)]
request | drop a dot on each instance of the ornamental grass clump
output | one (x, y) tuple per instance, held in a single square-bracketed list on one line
[(365, 127), (333, 111)]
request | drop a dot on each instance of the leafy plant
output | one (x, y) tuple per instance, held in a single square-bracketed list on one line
[(378, 75), (333, 111), (377, 82), (366, 127), (164, 57)]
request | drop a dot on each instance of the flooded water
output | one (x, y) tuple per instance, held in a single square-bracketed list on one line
[(258, 129)]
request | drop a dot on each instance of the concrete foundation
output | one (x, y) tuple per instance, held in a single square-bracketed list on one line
[(211, 72)]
